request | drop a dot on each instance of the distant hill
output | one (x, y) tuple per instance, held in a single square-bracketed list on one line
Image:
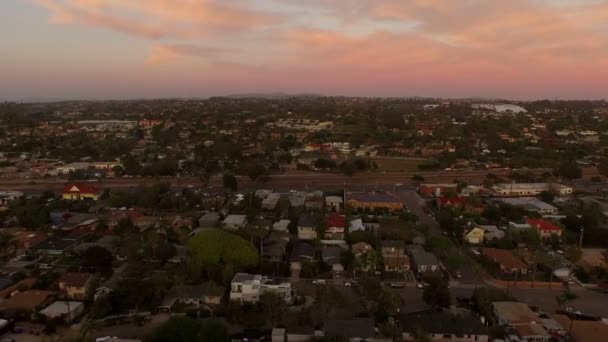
[(277, 95)]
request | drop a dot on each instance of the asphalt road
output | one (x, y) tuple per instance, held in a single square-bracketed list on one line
[(299, 180)]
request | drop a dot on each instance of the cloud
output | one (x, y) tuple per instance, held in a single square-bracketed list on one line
[(394, 42), (159, 18), (166, 52)]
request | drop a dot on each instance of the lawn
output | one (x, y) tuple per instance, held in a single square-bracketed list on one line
[(398, 164)]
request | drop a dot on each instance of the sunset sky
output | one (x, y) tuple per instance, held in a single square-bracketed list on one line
[(99, 49)]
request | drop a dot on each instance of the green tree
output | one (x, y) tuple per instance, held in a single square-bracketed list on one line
[(98, 259), (547, 196), (274, 307), (420, 335), (214, 247), (187, 329), (230, 182), (437, 294), (348, 169), (483, 297), (568, 170)]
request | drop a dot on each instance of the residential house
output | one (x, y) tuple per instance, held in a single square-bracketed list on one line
[(443, 326), (307, 228), (314, 201), (57, 246), (506, 260), (395, 258), (423, 260), (273, 250), (334, 203), (474, 235), (234, 222), (492, 233), (519, 226), (525, 325), (80, 191), (334, 227), (30, 300), (374, 200), (8, 196), (67, 311), (110, 285), (545, 228), (207, 294), (302, 252), (356, 225), (74, 285), (332, 257), (271, 201), (451, 202), (209, 220), (247, 288), (281, 226)]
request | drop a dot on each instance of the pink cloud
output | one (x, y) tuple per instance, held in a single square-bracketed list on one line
[(466, 44)]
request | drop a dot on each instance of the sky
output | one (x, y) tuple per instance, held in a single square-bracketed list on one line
[(120, 49)]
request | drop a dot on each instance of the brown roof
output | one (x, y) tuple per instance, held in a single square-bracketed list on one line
[(585, 330), (504, 257), (397, 261), (74, 279), (25, 283), (28, 300)]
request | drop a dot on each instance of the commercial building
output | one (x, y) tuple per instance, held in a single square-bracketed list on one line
[(80, 191), (532, 204), (374, 201), (530, 189)]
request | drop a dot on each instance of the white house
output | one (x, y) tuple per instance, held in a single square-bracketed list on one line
[(234, 222), (247, 288)]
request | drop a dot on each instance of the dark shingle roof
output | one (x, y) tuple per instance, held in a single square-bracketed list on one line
[(306, 221), (302, 251), (442, 322), (350, 328)]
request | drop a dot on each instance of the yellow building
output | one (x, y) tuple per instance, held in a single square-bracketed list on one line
[(374, 200), (74, 192), (474, 236)]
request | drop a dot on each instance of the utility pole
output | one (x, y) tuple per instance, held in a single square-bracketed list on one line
[(580, 240)]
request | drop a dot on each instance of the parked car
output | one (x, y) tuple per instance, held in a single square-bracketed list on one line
[(397, 284), (319, 282)]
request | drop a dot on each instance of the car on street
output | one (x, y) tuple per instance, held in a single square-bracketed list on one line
[(319, 282), (397, 284)]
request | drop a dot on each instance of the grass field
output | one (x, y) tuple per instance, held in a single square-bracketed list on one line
[(398, 164)]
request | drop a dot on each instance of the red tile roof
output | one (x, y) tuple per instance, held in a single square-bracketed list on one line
[(74, 279), (543, 225), (335, 220), (82, 188), (458, 201), (504, 257)]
